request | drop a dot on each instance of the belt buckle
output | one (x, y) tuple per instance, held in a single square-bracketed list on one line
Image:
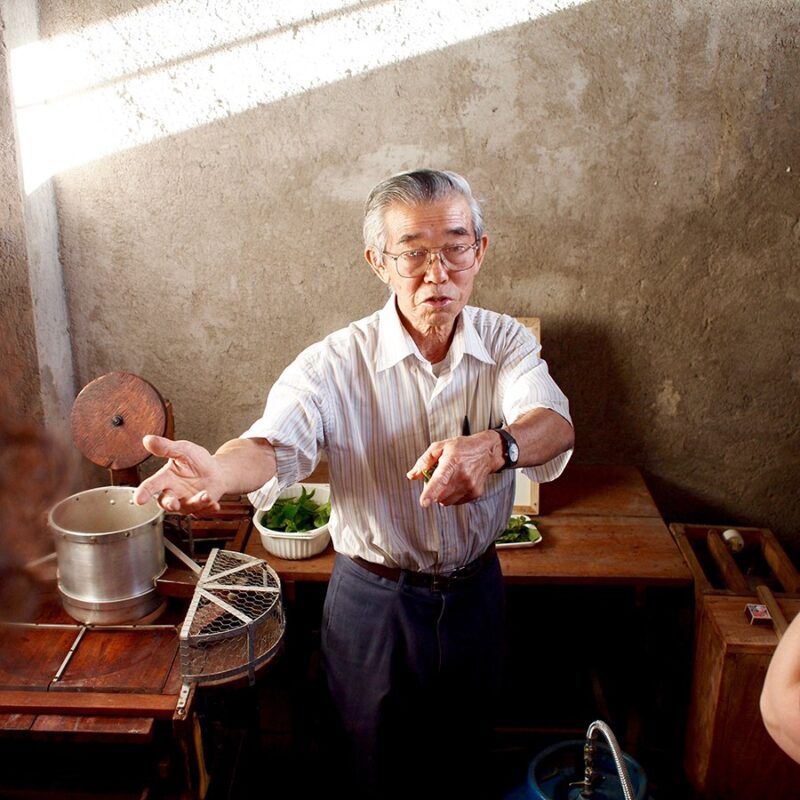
[(440, 583), (467, 571)]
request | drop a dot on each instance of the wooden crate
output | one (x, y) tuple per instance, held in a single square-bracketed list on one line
[(729, 755), (716, 570)]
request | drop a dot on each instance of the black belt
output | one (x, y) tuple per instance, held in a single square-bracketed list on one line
[(436, 582)]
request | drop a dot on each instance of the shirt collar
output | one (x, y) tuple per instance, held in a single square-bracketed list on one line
[(467, 341), (395, 342)]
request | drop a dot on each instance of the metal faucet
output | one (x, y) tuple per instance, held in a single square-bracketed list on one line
[(590, 777)]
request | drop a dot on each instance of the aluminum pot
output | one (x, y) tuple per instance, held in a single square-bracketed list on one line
[(110, 553)]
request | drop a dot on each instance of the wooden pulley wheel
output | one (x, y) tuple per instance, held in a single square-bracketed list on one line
[(112, 414)]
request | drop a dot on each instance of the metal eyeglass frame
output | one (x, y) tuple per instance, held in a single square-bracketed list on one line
[(434, 251)]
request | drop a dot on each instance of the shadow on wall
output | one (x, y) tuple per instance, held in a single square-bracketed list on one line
[(677, 503), (589, 365)]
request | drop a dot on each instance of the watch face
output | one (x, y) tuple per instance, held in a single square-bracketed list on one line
[(513, 453)]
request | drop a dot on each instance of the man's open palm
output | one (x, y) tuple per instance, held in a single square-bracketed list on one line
[(190, 482)]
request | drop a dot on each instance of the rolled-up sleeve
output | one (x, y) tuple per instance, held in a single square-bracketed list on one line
[(294, 423), (525, 383)]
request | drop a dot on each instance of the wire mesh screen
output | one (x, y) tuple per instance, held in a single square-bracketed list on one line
[(235, 621)]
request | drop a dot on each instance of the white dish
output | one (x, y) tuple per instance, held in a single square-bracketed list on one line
[(532, 524), (296, 545), (508, 545)]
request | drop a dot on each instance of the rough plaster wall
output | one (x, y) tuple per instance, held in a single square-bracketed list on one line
[(639, 166), (39, 238), (19, 386)]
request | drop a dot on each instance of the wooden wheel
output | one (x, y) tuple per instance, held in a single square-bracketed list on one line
[(112, 414)]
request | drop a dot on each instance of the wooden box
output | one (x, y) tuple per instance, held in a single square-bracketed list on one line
[(729, 755), (717, 570)]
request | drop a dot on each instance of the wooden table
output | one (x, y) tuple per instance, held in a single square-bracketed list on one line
[(66, 684), (41, 690), (599, 525), (601, 531), (111, 686)]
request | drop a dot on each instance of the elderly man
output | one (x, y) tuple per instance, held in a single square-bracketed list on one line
[(412, 633)]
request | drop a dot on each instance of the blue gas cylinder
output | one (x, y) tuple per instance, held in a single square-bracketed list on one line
[(554, 769)]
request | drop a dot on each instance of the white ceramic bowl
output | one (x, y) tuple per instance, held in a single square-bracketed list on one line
[(296, 545)]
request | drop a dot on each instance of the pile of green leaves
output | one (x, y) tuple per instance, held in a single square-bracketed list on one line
[(297, 514), (519, 529)]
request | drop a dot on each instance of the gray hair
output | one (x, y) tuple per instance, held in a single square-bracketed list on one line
[(415, 188)]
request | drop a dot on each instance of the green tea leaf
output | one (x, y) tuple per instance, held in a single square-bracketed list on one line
[(297, 514), (519, 529)]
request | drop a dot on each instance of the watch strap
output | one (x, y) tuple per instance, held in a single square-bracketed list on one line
[(509, 445)]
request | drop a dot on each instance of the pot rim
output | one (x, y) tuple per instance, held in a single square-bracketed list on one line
[(126, 491)]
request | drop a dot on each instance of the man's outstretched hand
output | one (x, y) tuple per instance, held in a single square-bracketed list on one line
[(189, 483)]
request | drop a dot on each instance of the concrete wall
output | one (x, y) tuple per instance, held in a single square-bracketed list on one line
[(42, 379), (19, 386), (639, 164)]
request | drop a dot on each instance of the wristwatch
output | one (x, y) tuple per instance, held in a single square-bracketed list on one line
[(510, 449)]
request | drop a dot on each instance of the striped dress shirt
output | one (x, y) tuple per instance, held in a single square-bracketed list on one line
[(367, 397)]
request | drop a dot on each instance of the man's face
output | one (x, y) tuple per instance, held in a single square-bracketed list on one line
[(434, 299)]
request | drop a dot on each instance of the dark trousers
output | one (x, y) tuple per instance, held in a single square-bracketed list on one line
[(412, 676)]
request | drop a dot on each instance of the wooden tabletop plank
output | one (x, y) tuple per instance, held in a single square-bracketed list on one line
[(114, 704), (582, 489), (94, 728), (599, 551), (16, 722), (121, 661), (585, 489), (30, 657), (313, 569), (574, 549), (603, 527)]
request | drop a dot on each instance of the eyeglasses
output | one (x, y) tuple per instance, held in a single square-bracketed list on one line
[(453, 257)]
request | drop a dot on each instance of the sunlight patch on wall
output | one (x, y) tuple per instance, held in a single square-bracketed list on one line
[(174, 66), (148, 38)]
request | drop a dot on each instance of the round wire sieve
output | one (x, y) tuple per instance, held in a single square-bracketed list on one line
[(235, 621)]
